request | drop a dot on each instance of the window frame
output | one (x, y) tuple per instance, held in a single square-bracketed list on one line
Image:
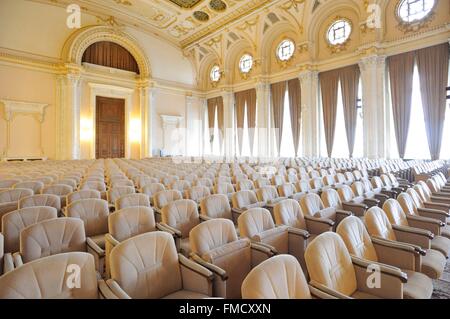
[(278, 49), (425, 18), (330, 28), (212, 71), (241, 60)]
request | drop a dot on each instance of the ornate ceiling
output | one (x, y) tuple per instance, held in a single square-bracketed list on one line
[(182, 22)]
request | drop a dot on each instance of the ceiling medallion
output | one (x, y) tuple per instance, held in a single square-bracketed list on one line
[(201, 16), (186, 4), (218, 5)]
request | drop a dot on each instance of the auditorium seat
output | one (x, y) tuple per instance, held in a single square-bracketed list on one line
[(151, 189), (162, 198), (126, 223), (361, 190), (130, 200), (335, 272), (279, 277), (288, 190), (59, 190), (245, 185), (180, 216), (312, 206), (35, 186), (95, 185), (269, 195), (431, 262), (115, 193), (147, 266), (225, 189), (330, 198), (378, 185), (94, 213), (215, 246), (9, 199), (14, 222), (9, 183), (41, 200), (197, 193), (216, 206), (83, 194), (243, 200), (36, 280), (361, 245)]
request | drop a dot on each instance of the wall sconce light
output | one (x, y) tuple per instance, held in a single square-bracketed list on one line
[(86, 129), (135, 131)]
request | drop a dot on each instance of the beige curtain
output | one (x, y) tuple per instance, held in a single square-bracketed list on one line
[(349, 84), (432, 63), (278, 91), (401, 70), (251, 116), (220, 120), (211, 105), (240, 98), (295, 110), (329, 88)]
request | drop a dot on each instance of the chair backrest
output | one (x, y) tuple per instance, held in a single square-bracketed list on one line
[(35, 186), (14, 222), (243, 198), (116, 192), (279, 277), (95, 185), (133, 199), (181, 214), (356, 238), (289, 213), (410, 202), (311, 204), (330, 198), (146, 266), (267, 193), (180, 185), (245, 185), (345, 193), (151, 189), (83, 194), (131, 221), (216, 206), (8, 183), (395, 212), (14, 195), (93, 212), (378, 224), (52, 236), (36, 280), (58, 189), (224, 188), (329, 263), (212, 234), (41, 200), (198, 192), (254, 221), (162, 198), (358, 188)]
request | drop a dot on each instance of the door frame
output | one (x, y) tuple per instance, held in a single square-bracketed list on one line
[(112, 91)]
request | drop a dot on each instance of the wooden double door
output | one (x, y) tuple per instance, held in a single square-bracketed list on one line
[(110, 128)]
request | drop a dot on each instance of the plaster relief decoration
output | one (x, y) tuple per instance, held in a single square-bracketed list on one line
[(173, 136), (23, 128)]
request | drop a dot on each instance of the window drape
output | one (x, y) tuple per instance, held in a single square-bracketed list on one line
[(251, 116), (278, 91), (211, 105), (349, 84), (240, 98), (329, 87), (294, 91), (220, 120)]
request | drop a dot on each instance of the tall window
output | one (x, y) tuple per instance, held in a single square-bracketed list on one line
[(417, 143), (340, 145), (287, 140), (216, 143)]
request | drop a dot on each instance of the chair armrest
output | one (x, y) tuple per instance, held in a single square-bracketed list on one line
[(414, 236), (430, 224), (299, 232), (391, 278), (434, 214), (357, 209), (170, 229), (397, 254), (389, 193), (327, 291), (116, 289), (204, 218), (437, 206), (319, 294), (8, 263), (17, 259), (381, 197), (237, 211), (259, 245), (111, 240), (440, 199), (259, 253), (195, 277), (341, 214), (213, 268), (104, 291), (94, 247), (318, 226), (371, 202)]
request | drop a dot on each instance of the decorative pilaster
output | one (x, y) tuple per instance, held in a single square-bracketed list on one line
[(375, 120), (173, 143), (146, 98), (263, 107), (309, 82), (189, 124)]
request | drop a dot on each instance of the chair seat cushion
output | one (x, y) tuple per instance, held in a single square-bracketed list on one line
[(185, 247), (441, 244), (99, 240), (419, 286), (433, 263), (363, 295), (185, 294)]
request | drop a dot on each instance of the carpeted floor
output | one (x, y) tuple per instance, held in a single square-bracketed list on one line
[(442, 285)]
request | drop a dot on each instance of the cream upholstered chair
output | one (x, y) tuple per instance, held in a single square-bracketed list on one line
[(421, 227), (36, 280), (130, 200), (95, 185), (225, 189), (115, 193), (148, 266), (388, 184), (9, 199), (312, 206), (364, 189), (14, 222), (279, 277), (431, 262), (162, 198), (94, 213), (357, 204), (215, 246), (412, 204), (197, 193), (404, 257), (50, 237), (216, 206), (151, 189), (180, 185), (126, 223), (261, 182), (179, 217), (245, 185), (243, 200), (269, 195), (59, 190), (35, 186), (83, 194), (257, 225), (378, 186), (335, 272), (41, 200), (68, 181), (430, 201), (288, 190), (330, 198), (9, 183)]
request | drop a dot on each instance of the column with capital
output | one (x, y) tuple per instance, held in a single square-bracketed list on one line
[(146, 100), (229, 136), (375, 116), (68, 116), (263, 108), (309, 82)]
